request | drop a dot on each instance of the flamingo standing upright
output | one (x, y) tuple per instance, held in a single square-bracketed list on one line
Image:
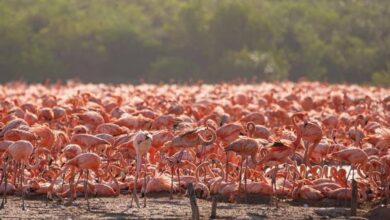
[(281, 151), (245, 147), (142, 142), (312, 134)]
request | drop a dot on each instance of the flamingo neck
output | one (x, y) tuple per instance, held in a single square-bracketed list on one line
[(299, 133), (198, 170)]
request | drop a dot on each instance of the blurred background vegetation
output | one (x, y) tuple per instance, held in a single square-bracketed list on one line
[(189, 40)]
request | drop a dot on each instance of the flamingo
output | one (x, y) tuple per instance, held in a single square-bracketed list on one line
[(86, 141), (280, 151), (257, 131), (20, 151), (306, 192), (353, 155), (63, 127), (142, 142), (82, 162), (312, 134), (245, 147)]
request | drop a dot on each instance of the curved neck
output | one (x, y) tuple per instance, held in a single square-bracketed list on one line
[(117, 188), (303, 171), (221, 168), (34, 165), (198, 170), (212, 139), (206, 119), (334, 136), (254, 158), (325, 171), (299, 133), (251, 127), (189, 165)]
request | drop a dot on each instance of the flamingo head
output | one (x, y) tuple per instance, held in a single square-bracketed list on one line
[(143, 140), (278, 143), (300, 115)]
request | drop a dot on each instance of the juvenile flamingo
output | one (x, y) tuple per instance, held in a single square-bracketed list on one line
[(142, 142)]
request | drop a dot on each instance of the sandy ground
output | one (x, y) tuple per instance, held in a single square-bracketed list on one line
[(161, 207)]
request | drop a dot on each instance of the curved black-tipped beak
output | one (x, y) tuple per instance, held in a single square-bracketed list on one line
[(148, 136)]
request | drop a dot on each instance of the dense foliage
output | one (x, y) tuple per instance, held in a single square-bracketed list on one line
[(125, 40)]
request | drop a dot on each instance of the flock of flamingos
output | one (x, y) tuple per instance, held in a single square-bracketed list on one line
[(293, 140)]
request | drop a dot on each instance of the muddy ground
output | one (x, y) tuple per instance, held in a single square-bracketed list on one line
[(161, 207)]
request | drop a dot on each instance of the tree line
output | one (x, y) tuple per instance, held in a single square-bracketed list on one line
[(190, 40)]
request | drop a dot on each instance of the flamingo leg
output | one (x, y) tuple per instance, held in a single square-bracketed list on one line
[(202, 153), (63, 182), (178, 174), (73, 185), (172, 172), (274, 182), (21, 183), (346, 181), (245, 176), (16, 173), (349, 173), (227, 165), (5, 185), (204, 176), (71, 181), (285, 177), (144, 186), (240, 175), (86, 189), (78, 180), (386, 190), (305, 159), (135, 196), (72, 190)]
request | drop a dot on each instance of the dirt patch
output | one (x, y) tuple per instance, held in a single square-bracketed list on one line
[(379, 212), (161, 207)]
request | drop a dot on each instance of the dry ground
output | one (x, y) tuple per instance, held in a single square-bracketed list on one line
[(161, 207)]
